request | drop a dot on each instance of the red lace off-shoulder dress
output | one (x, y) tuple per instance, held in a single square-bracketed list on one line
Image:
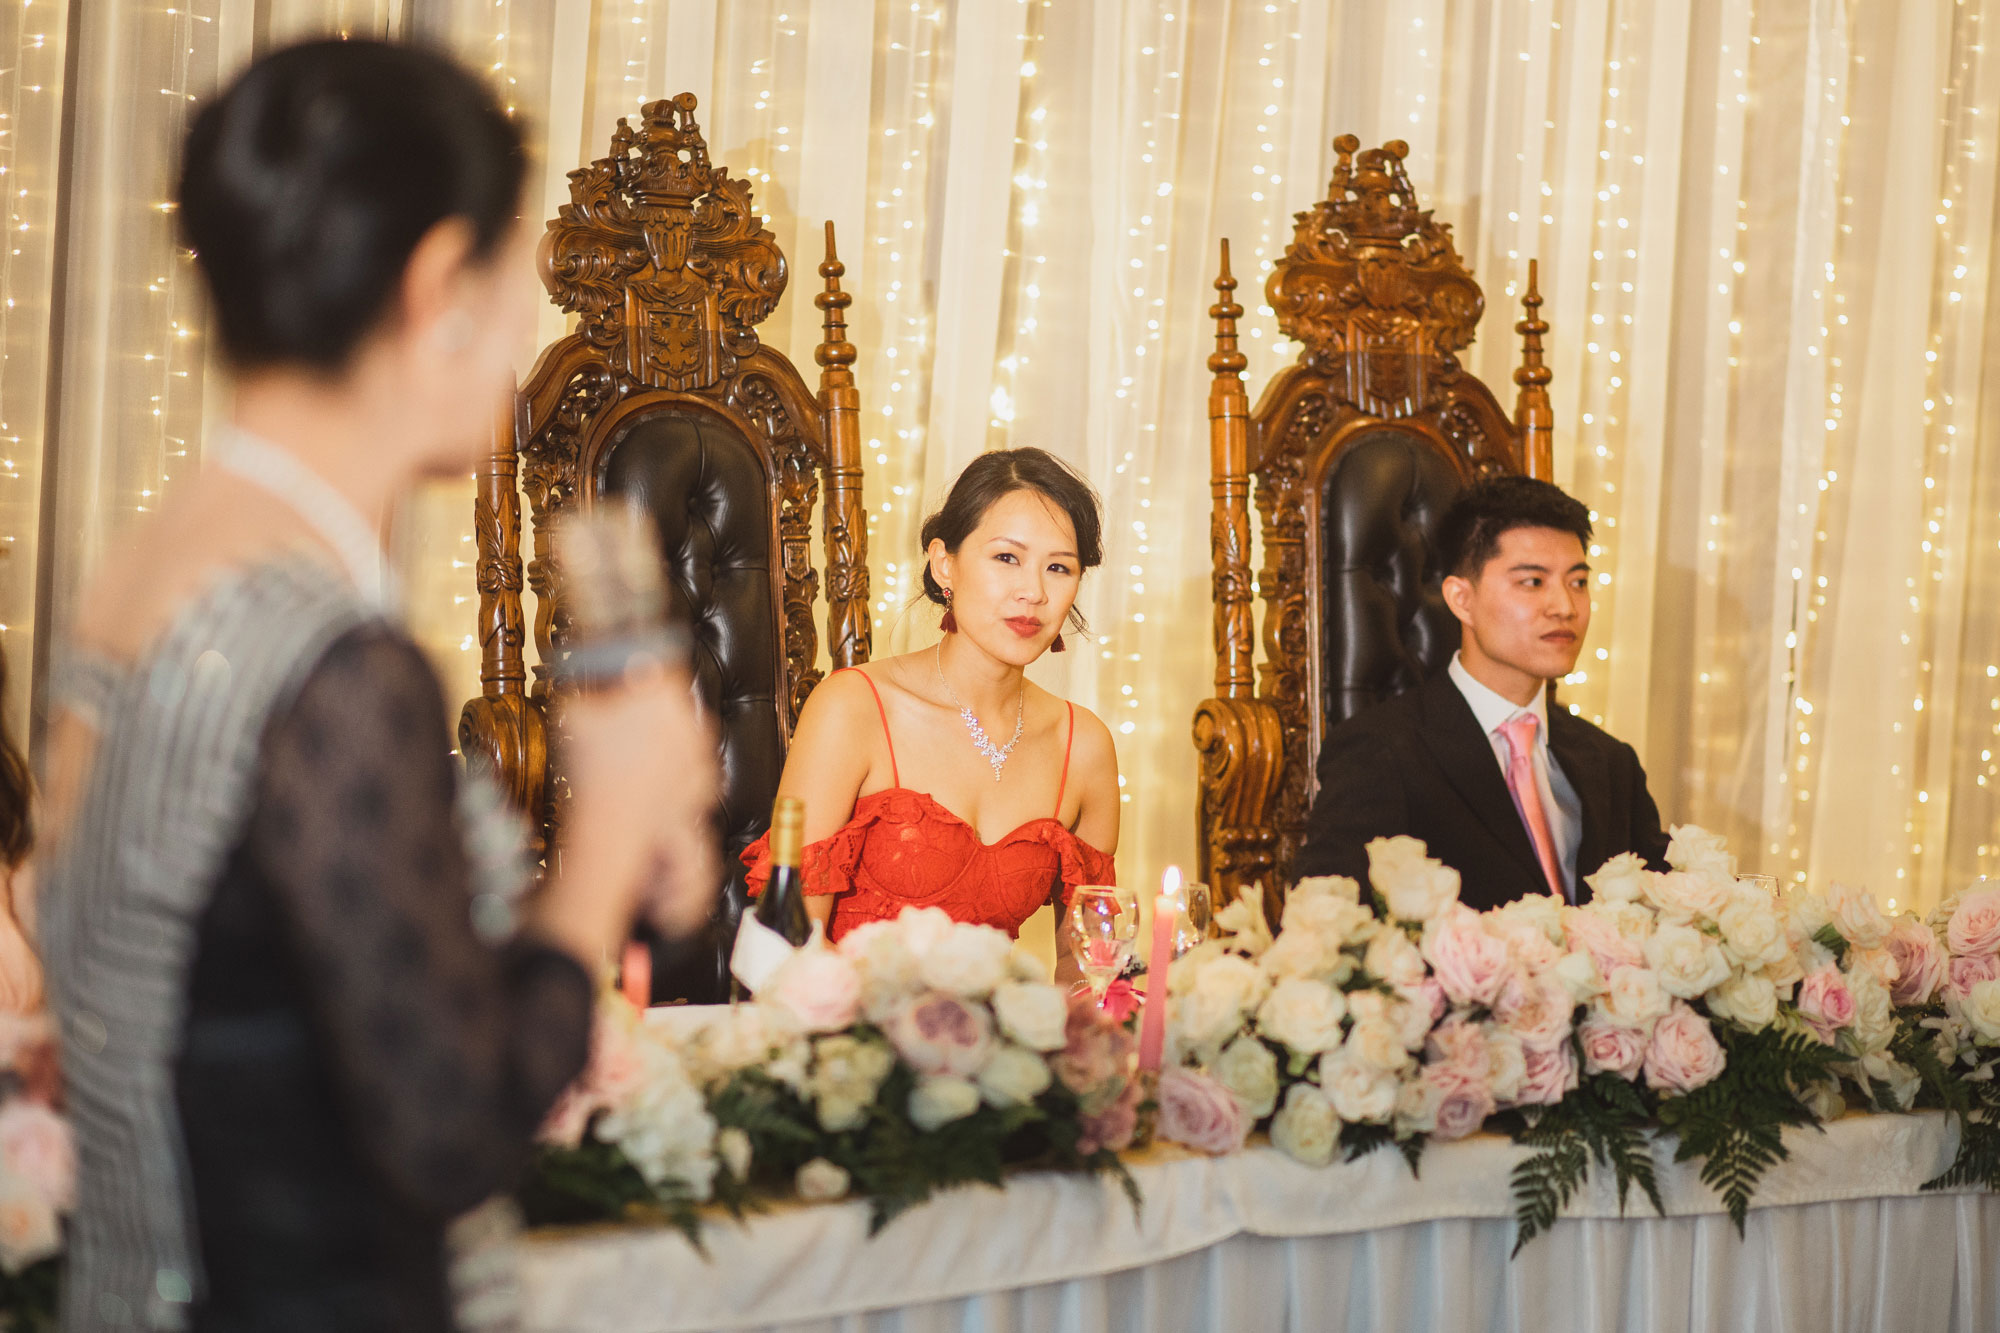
[(904, 849)]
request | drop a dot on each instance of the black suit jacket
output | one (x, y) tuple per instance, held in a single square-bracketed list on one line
[(1419, 764)]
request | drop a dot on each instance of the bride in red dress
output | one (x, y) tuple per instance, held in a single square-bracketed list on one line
[(944, 777)]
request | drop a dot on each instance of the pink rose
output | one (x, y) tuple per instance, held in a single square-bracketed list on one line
[(1096, 1059), (938, 1033), (1427, 998), (1551, 1075), (1975, 926), (819, 989), (1684, 1054), (1470, 963), (1826, 1003), (1962, 974), (1538, 1010), (1609, 1048), (1198, 1111), (1121, 1000), (1598, 936), (1921, 962), (1462, 1105), (1456, 1055), (1114, 1126), (36, 1146)]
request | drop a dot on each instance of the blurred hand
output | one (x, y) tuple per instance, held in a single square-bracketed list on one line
[(644, 775)]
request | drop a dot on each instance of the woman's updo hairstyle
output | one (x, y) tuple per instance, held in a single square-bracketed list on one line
[(995, 475), (307, 184)]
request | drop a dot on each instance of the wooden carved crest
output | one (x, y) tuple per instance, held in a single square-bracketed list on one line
[(662, 255), (1372, 284)]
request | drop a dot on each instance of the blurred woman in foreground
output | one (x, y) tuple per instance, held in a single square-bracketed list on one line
[(300, 1030)]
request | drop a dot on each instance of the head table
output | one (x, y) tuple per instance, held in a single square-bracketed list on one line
[(1840, 1238)]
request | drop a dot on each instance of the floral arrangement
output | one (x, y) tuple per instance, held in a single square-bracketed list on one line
[(918, 1054), (1684, 1002), (37, 1172)]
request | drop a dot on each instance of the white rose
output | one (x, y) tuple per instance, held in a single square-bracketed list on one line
[(923, 929), (1634, 921), (1222, 991), (1806, 914), (1014, 1077), (1302, 1015), (1250, 1071), (847, 1073), (1752, 934), (1334, 920), (1413, 1014), (1577, 971), (1506, 1063), (1877, 963), (1857, 916), (1748, 1000), (969, 961), (1416, 887), (732, 1145), (1633, 998), (1687, 961), (1695, 849), (1024, 966), (1337, 886), (1032, 1013), (1360, 1092), (1874, 1025), (1689, 896), (1394, 958), (1306, 1130), (1538, 911), (1824, 1100), (1378, 1044), (1622, 879), (1785, 973), (939, 1099), (820, 1180), (1417, 1105), (1981, 1011), (1300, 953), (888, 968)]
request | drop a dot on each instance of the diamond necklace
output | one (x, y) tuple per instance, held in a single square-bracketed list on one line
[(996, 755)]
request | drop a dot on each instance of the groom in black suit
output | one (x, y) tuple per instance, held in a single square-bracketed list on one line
[(1517, 797)]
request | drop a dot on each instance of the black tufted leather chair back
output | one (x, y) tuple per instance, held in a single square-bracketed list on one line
[(705, 486), (1384, 625)]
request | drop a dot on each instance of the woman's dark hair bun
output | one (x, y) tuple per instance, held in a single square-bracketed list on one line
[(992, 477), (307, 184)]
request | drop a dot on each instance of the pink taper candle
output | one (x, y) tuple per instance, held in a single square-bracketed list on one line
[(1153, 1020)]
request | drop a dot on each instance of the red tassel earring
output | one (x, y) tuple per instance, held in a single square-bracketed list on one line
[(1058, 646), (950, 622)]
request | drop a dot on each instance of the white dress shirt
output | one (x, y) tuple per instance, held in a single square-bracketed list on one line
[(1559, 799)]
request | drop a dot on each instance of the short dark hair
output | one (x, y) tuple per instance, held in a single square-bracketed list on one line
[(994, 476), (307, 184), (1470, 533)]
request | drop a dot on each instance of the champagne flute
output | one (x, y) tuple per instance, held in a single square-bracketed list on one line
[(1191, 915), (1102, 932)]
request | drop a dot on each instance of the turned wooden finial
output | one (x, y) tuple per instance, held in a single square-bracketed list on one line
[(1227, 359), (834, 349), (1534, 416)]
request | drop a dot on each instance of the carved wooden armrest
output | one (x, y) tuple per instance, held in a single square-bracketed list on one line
[(1242, 748), (509, 733)]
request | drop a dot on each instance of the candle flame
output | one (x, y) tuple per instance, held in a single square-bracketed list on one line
[(1170, 882)]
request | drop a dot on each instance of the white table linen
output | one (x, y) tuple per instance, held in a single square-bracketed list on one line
[(1840, 1239)]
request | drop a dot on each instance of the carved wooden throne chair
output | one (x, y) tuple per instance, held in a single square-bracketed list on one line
[(665, 393), (1356, 451)]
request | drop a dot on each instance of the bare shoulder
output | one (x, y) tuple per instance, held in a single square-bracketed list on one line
[(838, 704), (1093, 752)]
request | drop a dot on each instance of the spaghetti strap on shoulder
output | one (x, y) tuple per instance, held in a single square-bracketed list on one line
[(895, 774), (1069, 742)]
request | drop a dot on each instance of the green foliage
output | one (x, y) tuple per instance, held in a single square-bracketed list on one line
[(1605, 1120), (1357, 1141), (596, 1182), (28, 1298), (1978, 1159), (1832, 940), (1735, 1125)]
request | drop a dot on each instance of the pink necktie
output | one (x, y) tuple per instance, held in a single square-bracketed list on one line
[(1520, 734)]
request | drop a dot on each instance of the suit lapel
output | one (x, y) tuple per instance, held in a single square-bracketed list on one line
[(1583, 763), (1466, 756)]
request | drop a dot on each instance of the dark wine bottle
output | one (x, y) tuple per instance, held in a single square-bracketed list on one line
[(782, 905), (778, 924)]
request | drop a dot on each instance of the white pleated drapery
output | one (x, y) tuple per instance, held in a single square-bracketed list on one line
[(1766, 233)]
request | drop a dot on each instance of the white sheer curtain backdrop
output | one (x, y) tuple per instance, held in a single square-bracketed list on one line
[(1766, 233)]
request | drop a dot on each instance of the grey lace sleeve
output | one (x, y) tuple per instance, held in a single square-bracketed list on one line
[(447, 1051)]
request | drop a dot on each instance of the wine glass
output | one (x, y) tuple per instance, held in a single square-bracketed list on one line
[(1767, 884), (1190, 906), (1103, 929)]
